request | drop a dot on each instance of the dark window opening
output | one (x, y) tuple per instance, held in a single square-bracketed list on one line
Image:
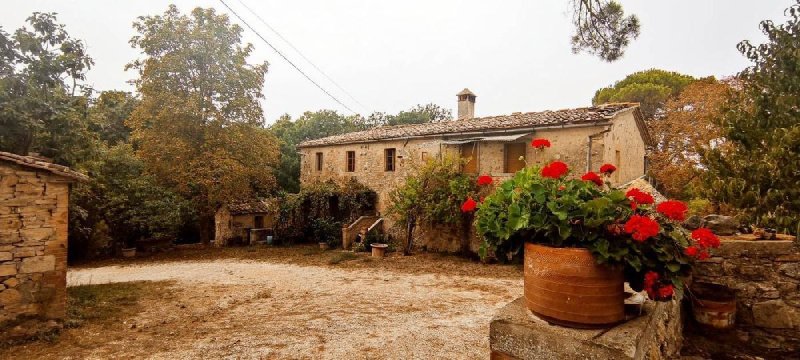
[(351, 161), (389, 156), (319, 161)]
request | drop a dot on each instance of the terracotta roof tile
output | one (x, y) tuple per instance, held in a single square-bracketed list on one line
[(251, 207), (502, 122), (35, 163)]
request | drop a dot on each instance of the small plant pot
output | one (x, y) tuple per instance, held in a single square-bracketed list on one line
[(324, 246), (379, 250), (129, 253), (713, 306)]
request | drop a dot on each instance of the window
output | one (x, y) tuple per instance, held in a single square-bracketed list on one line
[(389, 156), (319, 161), (513, 152), (258, 222), (469, 152), (351, 161)]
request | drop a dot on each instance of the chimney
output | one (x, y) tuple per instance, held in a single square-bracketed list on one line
[(466, 104)]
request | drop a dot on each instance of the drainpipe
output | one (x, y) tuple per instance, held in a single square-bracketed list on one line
[(589, 148)]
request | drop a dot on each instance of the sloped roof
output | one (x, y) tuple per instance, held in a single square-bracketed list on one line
[(32, 162), (584, 115), (251, 207)]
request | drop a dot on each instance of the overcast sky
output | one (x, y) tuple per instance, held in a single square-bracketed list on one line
[(391, 55)]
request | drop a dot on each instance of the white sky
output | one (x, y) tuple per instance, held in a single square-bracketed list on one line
[(391, 55)]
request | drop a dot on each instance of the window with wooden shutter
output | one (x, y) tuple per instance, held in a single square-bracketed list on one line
[(351, 161), (389, 155), (513, 152), (319, 161), (469, 152)]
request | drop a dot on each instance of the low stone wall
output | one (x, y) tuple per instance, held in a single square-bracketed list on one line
[(766, 278), (33, 244), (515, 333)]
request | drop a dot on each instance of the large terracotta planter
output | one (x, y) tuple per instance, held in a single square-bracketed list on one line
[(713, 305), (567, 287)]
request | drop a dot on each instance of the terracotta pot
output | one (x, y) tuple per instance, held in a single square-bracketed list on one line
[(379, 250), (567, 287), (323, 246), (129, 252), (713, 305)]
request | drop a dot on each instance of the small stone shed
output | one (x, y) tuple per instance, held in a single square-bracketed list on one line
[(245, 222), (34, 202)]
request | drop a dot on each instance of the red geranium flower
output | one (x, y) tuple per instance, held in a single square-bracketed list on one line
[(705, 238), (638, 197), (641, 228), (691, 251), (703, 255), (468, 205), (540, 143), (673, 209), (665, 292), (555, 170), (591, 176), (607, 169), (561, 188), (484, 180), (650, 278)]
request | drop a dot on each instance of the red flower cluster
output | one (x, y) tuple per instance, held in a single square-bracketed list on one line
[(484, 180), (641, 228), (555, 170), (607, 169), (656, 290), (639, 197), (705, 239), (673, 210), (591, 176), (469, 205), (540, 143)]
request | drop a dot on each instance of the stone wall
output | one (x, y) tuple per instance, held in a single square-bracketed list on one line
[(766, 278), (33, 243)]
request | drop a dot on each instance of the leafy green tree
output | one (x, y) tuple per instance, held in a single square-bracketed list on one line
[(108, 114), (198, 126), (651, 88), (43, 103), (420, 114), (602, 29), (756, 167)]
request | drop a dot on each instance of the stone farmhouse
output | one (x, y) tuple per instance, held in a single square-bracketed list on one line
[(34, 201), (584, 138)]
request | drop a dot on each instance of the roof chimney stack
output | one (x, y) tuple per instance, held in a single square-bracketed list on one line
[(466, 104)]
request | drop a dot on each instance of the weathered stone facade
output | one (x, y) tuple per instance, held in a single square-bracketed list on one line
[(34, 198), (617, 138), (237, 220), (766, 278)]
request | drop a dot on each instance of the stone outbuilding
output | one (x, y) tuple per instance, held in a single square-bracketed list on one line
[(34, 202), (382, 157), (245, 223)]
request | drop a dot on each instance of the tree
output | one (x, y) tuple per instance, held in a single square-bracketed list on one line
[(651, 88), (756, 168), (198, 125), (420, 114), (43, 103), (602, 29), (686, 129), (108, 114)]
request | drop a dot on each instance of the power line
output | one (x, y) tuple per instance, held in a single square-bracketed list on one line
[(287, 59), (301, 54)]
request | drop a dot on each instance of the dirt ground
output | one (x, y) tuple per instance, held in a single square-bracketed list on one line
[(282, 303)]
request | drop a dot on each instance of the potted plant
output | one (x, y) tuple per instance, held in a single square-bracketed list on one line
[(325, 231), (583, 239)]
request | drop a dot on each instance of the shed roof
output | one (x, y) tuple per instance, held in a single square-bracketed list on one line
[(258, 206), (521, 121), (36, 163)]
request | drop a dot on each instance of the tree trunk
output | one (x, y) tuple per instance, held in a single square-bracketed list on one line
[(410, 224)]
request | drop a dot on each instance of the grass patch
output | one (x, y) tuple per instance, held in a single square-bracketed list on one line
[(342, 257), (107, 301)]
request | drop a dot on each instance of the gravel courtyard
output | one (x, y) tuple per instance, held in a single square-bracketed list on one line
[(270, 308)]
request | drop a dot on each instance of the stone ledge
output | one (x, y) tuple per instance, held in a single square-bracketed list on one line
[(755, 248), (515, 333)]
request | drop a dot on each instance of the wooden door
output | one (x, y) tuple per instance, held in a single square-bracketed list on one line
[(469, 152)]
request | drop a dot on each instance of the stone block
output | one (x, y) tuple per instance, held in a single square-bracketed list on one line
[(27, 251), (791, 270), (734, 249), (518, 334), (38, 264), (776, 314), (36, 234), (10, 297), (5, 256), (9, 236), (8, 269), (12, 282)]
